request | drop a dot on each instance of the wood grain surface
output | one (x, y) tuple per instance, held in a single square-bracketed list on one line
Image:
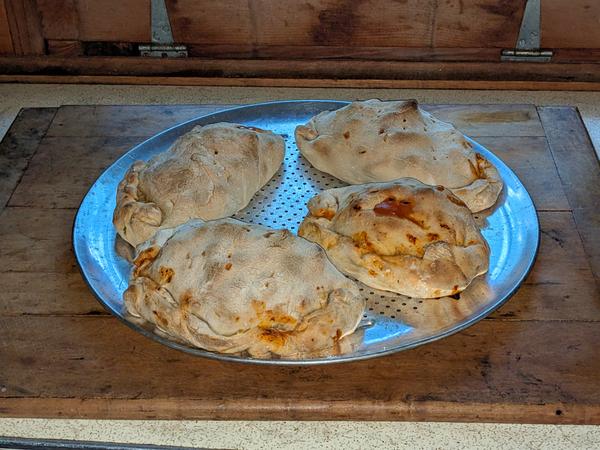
[(534, 360)]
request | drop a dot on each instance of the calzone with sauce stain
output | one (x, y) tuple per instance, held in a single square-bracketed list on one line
[(231, 287), (373, 141), (401, 236)]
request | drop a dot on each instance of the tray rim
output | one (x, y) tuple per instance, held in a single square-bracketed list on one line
[(277, 361)]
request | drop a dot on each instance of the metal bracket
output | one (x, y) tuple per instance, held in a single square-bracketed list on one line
[(528, 42), (162, 45)]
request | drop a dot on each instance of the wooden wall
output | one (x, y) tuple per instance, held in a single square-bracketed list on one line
[(370, 30)]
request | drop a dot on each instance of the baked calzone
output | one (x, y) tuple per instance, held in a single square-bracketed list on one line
[(401, 236), (228, 286), (373, 141), (209, 173)]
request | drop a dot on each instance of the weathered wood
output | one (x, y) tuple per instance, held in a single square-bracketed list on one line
[(534, 360), (38, 240), (49, 181), (308, 69), (209, 22), (60, 18), (579, 172), (247, 50), (474, 120), (110, 121), (579, 17), (113, 20), (561, 279), (25, 27), (491, 120), (78, 358), (530, 159), (486, 23), (344, 22), (6, 45), (64, 48), (19, 145), (303, 82), (274, 409), (50, 294)]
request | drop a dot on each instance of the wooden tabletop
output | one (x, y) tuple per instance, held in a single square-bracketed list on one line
[(537, 359)]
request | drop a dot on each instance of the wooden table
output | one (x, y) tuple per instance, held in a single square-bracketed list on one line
[(537, 359)]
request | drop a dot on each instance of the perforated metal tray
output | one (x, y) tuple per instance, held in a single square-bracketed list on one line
[(391, 322)]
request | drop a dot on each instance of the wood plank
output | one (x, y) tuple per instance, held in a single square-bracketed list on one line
[(64, 47), (561, 285), (210, 22), (486, 23), (46, 294), (25, 27), (580, 17), (76, 358), (65, 168), (6, 45), (491, 120), (308, 69), (474, 120), (18, 146), (37, 240), (557, 288), (263, 409), (49, 181), (303, 82), (579, 171), (60, 19), (247, 50), (344, 22), (112, 121), (531, 160), (114, 20)]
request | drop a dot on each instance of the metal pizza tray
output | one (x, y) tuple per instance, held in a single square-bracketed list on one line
[(391, 322)]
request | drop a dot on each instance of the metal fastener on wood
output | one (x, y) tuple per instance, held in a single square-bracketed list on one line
[(527, 48), (162, 45)]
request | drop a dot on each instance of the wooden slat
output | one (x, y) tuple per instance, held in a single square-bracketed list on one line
[(247, 50), (486, 23), (307, 69), (579, 172), (387, 23), (264, 409), (303, 82), (561, 284), (18, 146), (572, 23), (25, 27), (491, 120), (6, 45), (210, 22), (111, 121), (64, 47), (534, 360), (39, 240), (113, 20), (79, 358), (531, 160), (46, 294), (48, 182), (60, 19), (474, 120)]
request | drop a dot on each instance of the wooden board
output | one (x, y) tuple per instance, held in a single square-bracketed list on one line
[(534, 360)]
